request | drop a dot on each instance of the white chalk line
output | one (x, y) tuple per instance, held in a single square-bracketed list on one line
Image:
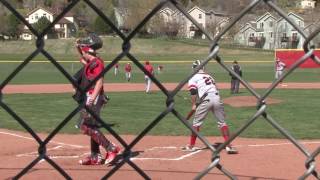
[(149, 149), (29, 138), (36, 152)]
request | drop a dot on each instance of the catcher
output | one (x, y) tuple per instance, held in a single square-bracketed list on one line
[(203, 88), (94, 99)]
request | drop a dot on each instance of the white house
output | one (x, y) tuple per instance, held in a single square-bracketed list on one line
[(247, 34), (265, 30), (270, 32), (166, 14), (287, 36), (308, 4), (206, 19), (64, 28)]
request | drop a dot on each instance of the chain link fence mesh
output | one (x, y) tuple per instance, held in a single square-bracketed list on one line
[(126, 46)]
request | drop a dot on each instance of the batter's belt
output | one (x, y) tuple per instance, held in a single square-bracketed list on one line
[(203, 98)]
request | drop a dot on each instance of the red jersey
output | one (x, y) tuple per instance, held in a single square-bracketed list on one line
[(149, 68), (127, 68), (92, 69)]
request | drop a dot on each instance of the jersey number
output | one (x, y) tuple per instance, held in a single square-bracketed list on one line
[(208, 80)]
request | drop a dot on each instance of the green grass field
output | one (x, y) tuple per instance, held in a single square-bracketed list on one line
[(132, 112), (175, 55), (297, 113)]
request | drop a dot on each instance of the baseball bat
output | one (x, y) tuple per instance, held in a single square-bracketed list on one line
[(190, 114)]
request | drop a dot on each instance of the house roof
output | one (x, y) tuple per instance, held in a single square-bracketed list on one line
[(248, 25), (196, 7), (265, 15), (291, 14), (64, 21), (34, 10)]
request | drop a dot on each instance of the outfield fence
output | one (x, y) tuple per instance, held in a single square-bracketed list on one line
[(171, 95)]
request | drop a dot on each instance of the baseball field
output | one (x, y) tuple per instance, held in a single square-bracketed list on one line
[(41, 96)]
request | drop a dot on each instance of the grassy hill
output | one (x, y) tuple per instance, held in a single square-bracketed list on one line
[(153, 49)]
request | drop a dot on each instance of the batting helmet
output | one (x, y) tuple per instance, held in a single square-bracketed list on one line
[(196, 63)]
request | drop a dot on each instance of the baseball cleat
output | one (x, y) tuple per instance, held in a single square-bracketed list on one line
[(231, 150), (189, 148), (111, 156), (92, 160)]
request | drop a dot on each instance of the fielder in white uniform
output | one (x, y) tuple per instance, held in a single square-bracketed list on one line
[(205, 97), (279, 68)]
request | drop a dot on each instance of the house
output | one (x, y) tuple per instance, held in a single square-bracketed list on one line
[(247, 34), (166, 14), (64, 28), (208, 19), (288, 37), (308, 4), (270, 32), (265, 31)]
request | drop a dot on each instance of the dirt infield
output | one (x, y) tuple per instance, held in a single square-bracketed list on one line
[(124, 87), (159, 156)]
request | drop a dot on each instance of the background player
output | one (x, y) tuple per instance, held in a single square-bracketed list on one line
[(116, 69), (147, 79), (128, 69), (205, 97), (279, 69), (235, 83), (94, 100)]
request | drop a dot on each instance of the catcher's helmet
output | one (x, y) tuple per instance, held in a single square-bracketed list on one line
[(196, 63), (93, 41)]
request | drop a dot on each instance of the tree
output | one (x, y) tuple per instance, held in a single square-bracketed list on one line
[(184, 2), (14, 26), (41, 24), (101, 27), (48, 3), (137, 10)]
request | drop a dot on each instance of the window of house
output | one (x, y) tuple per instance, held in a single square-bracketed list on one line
[(284, 34), (36, 16), (200, 16), (271, 34), (44, 14), (261, 25), (271, 23), (294, 35), (300, 23)]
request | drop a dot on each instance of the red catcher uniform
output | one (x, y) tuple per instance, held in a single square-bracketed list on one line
[(93, 69)]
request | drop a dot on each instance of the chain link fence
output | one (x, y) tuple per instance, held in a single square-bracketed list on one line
[(170, 101)]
